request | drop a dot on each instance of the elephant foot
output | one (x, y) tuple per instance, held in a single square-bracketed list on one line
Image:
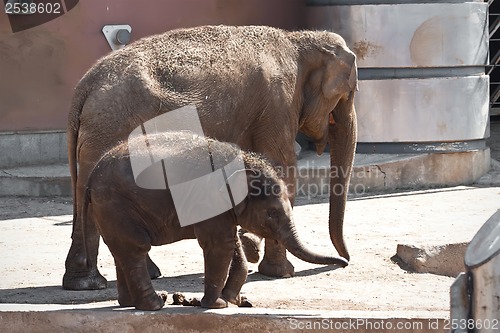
[(219, 303), (237, 299), (125, 300), (153, 270), (232, 297), (251, 246), (151, 302), (91, 280), (282, 269)]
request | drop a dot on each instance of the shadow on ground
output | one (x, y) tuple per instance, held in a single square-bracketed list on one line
[(189, 283), (57, 295)]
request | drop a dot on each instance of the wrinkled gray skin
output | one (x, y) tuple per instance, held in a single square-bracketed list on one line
[(131, 219), (253, 86)]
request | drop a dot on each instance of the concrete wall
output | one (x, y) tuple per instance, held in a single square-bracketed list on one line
[(32, 148)]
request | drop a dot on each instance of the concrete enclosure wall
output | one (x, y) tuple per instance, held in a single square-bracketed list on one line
[(421, 69)]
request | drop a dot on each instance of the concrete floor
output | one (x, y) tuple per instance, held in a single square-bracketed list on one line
[(34, 238), (373, 287)]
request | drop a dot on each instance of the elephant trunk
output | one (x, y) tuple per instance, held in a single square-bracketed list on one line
[(289, 238), (342, 136)]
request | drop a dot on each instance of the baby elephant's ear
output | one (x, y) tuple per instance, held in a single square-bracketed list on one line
[(237, 192)]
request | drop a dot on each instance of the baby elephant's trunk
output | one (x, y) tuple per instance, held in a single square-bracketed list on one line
[(289, 238)]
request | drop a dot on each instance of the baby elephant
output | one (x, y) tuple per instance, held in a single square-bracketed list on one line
[(131, 218)]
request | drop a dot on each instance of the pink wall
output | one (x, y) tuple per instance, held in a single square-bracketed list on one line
[(39, 66)]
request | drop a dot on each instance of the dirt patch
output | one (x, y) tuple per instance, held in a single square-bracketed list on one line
[(21, 207), (363, 49)]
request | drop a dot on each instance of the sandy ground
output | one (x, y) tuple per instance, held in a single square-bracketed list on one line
[(35, 238)]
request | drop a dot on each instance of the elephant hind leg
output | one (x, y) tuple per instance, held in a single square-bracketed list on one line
[(251, 245), (153, 270), (134, 284), (130, 252), (81, 268), (125, 298)]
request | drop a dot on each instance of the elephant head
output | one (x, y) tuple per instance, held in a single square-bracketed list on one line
[(327, 77), (267, 211)]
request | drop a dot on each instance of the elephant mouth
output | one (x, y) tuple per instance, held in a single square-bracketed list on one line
[(331, 120), (321, 143)]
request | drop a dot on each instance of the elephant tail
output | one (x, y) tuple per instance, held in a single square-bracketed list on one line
[(72, 135), (82, 91)]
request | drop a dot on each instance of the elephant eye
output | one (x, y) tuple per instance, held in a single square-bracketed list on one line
[(272, 214)]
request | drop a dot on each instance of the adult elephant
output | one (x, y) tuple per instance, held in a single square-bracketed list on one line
[(254, 86)]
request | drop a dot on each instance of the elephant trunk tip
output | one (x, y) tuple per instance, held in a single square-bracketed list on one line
[(342, 262), (339, 245)]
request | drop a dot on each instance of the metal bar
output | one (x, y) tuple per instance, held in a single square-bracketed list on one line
[(496, 25), (496, 58), (495, 95)]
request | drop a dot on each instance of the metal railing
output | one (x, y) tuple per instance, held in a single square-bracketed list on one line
[(493, 68)]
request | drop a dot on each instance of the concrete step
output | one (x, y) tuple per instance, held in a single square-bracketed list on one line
[(371, 173), (110, 318), (36, 181)]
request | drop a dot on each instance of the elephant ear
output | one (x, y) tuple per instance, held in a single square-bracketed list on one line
[(240, 207), (341, 75)]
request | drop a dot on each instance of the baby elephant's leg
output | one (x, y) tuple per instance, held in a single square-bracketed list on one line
[(133, 281), (124, 297), (218, 249), (237, 275), (135, 271)]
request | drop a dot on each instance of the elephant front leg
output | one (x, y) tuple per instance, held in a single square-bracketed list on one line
[(237, 275), (217, 239), (275, 262), (217, 262)]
